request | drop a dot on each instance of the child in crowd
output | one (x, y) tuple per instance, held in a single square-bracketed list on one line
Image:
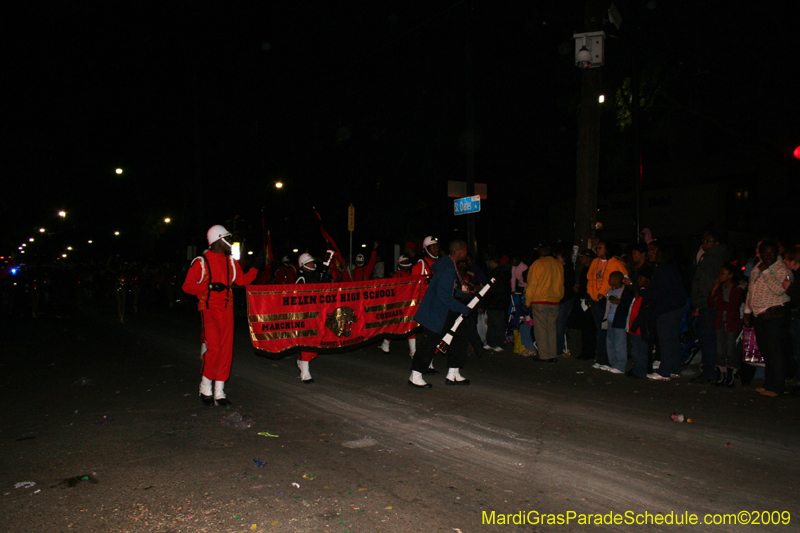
[(641, 325), (618, 301), (726, 297)]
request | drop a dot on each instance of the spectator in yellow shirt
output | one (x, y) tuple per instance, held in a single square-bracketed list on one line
[(598, 284), (543, 295)]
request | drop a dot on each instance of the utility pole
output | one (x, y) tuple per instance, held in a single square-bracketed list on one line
[(588, 138), (469, 136)]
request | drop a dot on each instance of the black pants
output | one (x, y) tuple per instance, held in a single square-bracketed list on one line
[(428, 340), (772, 335), (470, 327), (598, 312)]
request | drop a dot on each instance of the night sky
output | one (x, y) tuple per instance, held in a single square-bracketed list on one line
[(364, 103)]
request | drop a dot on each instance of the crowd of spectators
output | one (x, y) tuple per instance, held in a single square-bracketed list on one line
[(640, 310)]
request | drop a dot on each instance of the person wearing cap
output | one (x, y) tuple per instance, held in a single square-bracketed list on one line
[(309, 273), (287, 273), (210, 278), (543, 294), (403, 270), (598, 284), (439, 309), (430, 254), (362, 272)]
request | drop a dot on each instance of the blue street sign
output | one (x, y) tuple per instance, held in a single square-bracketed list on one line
[(470, 204)]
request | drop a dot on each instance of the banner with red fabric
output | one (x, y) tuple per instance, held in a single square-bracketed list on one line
[(331, 317)]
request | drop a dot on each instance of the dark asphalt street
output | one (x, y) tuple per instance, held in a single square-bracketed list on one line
[(104, 419)]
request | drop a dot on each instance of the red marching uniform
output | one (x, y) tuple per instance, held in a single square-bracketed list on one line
[(216, 308), (423, 267), (287, 274), (362, 273)]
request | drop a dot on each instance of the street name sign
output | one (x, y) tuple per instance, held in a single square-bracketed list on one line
[(470, 204)]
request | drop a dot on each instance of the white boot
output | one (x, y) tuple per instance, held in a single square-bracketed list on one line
[(415, 380), (412, 347), (205, 386), (454, 377), (305, 374), (219, 394), (385, 346), (205, 392)]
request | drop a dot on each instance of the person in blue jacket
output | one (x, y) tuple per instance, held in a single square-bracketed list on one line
[(439, 308)]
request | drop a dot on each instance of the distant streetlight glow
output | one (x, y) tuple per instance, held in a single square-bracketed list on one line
[(602, 98), (278, 184), (24, 244), (118, 171), (63, 255), (90, 242), (363, 245), (69, 248), (250, 252), (295, 250), (116, 233), (167, 220), (41, 230), (62, 214), (30, 240)]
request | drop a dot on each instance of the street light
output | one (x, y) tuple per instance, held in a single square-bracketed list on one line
[(167, 220), (118, 171), (30, 240), (62, 214), (116, 233), (41, 230)]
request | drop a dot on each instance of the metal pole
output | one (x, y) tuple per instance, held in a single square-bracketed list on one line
[(470, 123)]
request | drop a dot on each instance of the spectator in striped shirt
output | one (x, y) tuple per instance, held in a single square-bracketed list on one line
[(765, 310)]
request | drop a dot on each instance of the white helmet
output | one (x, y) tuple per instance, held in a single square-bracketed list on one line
[(217, 232), (428, 242), (404, 261), (305, 259), (285, 260), (360, 259)]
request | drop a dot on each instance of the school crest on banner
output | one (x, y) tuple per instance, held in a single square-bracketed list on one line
[(331, 317)]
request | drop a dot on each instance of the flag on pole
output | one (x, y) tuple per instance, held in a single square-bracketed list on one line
[(338, 265)]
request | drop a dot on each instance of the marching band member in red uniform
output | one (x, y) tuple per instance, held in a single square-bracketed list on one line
[(287, 273), (430, 249), (309, 273), (362, 272), (210, 278), (424, 267)]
